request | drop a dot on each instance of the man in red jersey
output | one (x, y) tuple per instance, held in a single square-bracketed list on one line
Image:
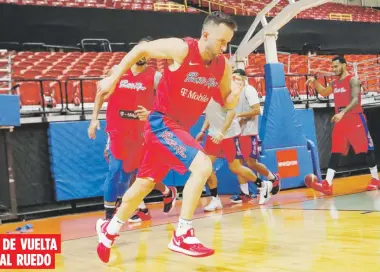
[(350, 125), (199, 72), (127, 108)]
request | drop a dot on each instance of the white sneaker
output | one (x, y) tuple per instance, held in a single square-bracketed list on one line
[(215, 204), (266, 188), (98, 227)]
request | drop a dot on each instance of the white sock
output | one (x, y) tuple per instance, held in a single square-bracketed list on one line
[(374, 172), (244, 188), (330, 175), (271, 176), (166, 192), (142, 205), (115, 225), (183, 226)]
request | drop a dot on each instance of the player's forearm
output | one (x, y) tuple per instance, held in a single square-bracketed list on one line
[(99, 100), (353, 103), (249, 114), (231, 101), (228, 121), (205, 126), (320, 89), (136, 54)]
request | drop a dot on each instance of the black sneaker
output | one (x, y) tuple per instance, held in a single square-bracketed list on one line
[(170, 199), (276, 184)]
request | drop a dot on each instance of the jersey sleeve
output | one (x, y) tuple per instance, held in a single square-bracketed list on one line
[(251, 95)]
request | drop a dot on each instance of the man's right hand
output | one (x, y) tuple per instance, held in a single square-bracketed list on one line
[(106, 86), (237, 87), (94, 125), (311, 81), (200, 136)]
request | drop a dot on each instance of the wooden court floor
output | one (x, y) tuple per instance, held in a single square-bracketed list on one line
[(298, 230)]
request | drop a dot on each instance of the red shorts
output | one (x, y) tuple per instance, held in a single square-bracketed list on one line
[(167, 147), (125, 148), (228, 148), (351, 130), (249, 146)]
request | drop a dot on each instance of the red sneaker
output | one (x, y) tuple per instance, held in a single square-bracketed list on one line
[(140, 216), (276, 184), (241, 198), (106, 240), (189, 245), (322, 187), (373, 185), (169, 201)]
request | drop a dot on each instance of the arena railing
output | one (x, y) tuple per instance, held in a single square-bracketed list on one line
[(306, 96), (82, 103)]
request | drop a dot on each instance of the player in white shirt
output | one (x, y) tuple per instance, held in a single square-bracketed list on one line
[(247, 114), (222, 142)]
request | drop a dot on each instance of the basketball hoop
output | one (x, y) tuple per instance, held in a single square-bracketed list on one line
[(269, 33)]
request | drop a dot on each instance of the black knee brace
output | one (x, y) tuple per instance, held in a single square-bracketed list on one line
[(334, 161), (370, 158)]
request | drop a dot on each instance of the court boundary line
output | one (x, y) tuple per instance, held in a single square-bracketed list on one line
[(276, 207)]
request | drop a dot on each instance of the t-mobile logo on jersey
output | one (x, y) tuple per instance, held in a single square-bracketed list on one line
[(194, 78), (194, 95), (138, 86), (340, 90), (287, 161), (169, 139)]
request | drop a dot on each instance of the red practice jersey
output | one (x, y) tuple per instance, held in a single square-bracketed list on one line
[(130, 91), (183, 95), (342, 95)]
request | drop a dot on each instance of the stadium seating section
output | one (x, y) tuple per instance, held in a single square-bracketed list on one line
[(59, 73), (328, 11)]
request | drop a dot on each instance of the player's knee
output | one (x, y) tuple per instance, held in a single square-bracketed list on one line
[(145, 185), (139, 189), (252, 161), (201, 165), (235, 168), (115, 166)]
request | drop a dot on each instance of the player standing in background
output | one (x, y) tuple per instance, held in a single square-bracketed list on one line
[(222, 141), (350, 125), (247, 113)]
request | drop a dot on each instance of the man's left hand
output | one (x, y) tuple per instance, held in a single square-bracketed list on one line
[(142, 113), (218, 139), (337, 117)]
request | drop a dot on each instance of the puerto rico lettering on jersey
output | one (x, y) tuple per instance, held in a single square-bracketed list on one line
[(342, 96), (138, 86), (340, 90), (195, 78), (183, 94), (130, 92)]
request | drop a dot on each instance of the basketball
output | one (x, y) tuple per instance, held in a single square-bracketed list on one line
[(309, 179)]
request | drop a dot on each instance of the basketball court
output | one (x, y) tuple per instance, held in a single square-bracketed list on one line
[(298, 230)]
